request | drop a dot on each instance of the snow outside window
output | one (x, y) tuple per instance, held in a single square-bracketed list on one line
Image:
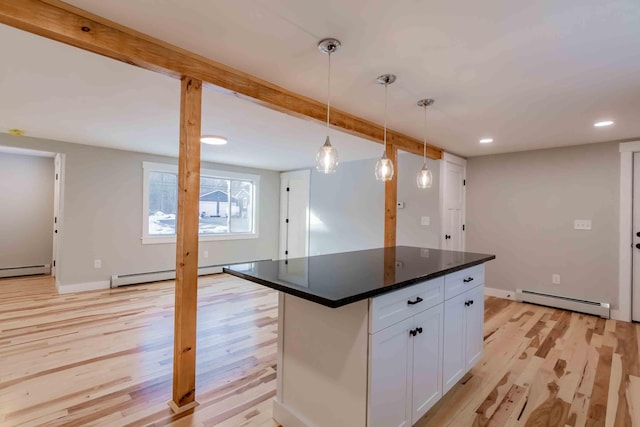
[(227, 208)]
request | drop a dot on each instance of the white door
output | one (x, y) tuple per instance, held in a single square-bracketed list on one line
[(452, 202), (474, 328), (57, 210), (454, 363), (427, 359), (294, 214), (389, 376), (635, 305)]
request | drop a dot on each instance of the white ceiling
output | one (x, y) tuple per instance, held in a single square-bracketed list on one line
[(59, 92), (529, 74)]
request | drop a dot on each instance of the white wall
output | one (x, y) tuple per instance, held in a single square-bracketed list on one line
[(347, 209), (103, 215), (417, 203), (521, 207), (26, 210)]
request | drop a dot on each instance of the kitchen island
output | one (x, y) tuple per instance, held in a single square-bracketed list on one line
[(372, 338)]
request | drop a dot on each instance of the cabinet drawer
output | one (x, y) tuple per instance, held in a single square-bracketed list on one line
[(463, 280), (387, 309)]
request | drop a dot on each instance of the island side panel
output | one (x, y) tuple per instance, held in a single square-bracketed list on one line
[(322, 370)]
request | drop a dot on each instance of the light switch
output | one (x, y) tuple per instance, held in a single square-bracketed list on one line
[(400, 205), (582, 224), (425, 220)]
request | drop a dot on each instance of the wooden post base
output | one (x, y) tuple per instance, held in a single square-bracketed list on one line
[(180, 409)]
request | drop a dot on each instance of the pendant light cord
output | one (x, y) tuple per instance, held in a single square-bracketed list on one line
[(424, 155), (385, 117), (329, 93)]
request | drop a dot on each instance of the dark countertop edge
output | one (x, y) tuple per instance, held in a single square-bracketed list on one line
[(300, 293)]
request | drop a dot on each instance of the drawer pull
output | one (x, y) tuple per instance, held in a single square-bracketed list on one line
[(468, 279), (419, 330), (468, 303), (413, 332), (418, 300)]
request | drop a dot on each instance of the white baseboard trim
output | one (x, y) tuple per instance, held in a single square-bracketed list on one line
[(618, 315), (500, 293), (82, 287), (286, 417)]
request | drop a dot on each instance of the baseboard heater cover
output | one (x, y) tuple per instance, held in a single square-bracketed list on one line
[(601, 309), (29, 270), (158, 276)]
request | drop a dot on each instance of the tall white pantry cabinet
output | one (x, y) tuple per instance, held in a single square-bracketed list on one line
[(381, 362)]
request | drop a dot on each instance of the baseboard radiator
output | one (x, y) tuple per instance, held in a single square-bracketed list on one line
[(601, 309), (29, 270), (158, 276)]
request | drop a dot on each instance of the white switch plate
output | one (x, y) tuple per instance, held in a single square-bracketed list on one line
[(400, 205), (425, 220), (97, 263), (205, 254), (582, 224), (555, 279)]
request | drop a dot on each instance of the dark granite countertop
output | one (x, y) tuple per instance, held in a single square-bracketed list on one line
[(339, 279)]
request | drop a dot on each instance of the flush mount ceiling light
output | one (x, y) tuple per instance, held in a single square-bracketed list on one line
[(384, 166), (603, 123), (486, 140), (327, 156), (424, 178), (16, 132), (213, 139)]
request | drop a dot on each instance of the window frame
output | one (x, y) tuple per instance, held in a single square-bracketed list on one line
[(148, 167)]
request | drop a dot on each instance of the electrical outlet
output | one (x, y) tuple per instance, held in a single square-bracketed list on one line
[(582, 224), (425, 220), (97, 263), (555, 279), (205, 254)]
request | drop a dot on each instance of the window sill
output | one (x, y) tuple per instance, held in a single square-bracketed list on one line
[(202, 238)]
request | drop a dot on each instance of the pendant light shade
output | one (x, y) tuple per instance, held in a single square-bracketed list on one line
[(384, 167), (424, 178), (327, 156)]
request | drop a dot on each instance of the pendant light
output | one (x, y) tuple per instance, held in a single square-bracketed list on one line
[(327, 157), (425, 178), (384, 166)]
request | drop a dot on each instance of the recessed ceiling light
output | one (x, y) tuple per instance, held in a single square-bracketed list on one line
[(486, 140), (603, 123), (213, 139)]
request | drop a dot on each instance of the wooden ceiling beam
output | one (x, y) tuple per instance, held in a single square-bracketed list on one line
[(64, 23)]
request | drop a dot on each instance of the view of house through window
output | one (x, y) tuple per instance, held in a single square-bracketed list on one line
[(226, 204)]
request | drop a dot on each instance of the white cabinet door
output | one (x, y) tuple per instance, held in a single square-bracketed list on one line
[(454, 363), (427, 359), (474, 325), (389, 380)]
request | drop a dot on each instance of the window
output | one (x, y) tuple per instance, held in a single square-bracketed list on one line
[(227, 208)]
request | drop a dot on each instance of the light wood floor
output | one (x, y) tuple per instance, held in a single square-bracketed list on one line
[(104, 358)]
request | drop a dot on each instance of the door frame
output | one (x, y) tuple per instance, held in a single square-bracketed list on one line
[(448, 157), (58, 212), (625, 275)]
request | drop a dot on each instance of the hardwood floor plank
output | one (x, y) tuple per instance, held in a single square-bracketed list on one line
[(104, 358)]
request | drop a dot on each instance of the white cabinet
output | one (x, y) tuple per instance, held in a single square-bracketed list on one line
[(463, 334), (426, 361), (389, 376), (405, 375)]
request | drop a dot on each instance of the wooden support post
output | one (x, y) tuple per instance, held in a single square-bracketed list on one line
[(184, 347), (391, 199)]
